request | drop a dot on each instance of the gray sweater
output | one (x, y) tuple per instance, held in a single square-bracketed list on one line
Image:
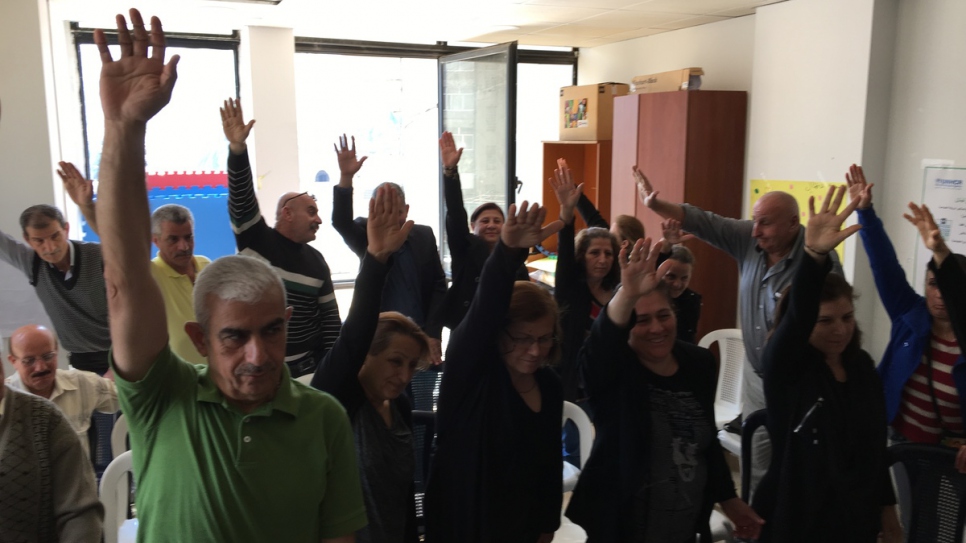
[(78, 306), (48, 490)]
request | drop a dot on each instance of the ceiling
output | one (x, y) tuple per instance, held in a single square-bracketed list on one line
[(562, 23)]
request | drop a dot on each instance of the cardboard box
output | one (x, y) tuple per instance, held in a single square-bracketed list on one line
[(587, 111), (686, 79)]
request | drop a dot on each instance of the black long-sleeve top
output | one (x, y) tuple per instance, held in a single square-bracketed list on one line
[(338, 373), (468, 251), (617, 384), (829, 474), (496, 474)]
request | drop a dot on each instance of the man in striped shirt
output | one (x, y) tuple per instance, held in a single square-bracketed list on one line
[(315, 321)]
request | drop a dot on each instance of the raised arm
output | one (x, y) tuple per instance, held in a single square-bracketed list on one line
[(243, 209), (133, 89), (650, 200), (823, 234), (352, 232), (485, 317), (896, 293), (949, 272), (80, 190), (338, 372), (457, 228), (568, 194)]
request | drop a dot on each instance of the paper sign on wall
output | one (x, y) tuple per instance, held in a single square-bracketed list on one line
[(944, 191)]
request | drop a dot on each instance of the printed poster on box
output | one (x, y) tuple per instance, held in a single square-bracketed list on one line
[(943, 191)]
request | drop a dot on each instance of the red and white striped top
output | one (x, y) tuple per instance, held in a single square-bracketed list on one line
[(917, 416)]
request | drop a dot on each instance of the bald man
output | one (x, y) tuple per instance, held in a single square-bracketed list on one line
[(78, 394), (315, 321), (767, 249)]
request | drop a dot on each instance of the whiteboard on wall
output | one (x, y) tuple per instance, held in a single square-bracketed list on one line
[(944, 191)]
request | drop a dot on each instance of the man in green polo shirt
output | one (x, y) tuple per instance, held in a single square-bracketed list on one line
[(235, 451)]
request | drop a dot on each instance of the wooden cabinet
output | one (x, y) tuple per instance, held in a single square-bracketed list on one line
[(691, 146), (590, 162)]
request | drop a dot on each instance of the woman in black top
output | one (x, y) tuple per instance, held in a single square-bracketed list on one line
[(829, 474), (496, 475), (657, 467), (367, 370), (586, 274), (468, 247)]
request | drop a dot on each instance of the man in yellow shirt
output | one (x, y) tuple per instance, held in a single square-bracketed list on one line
[(175, 269)]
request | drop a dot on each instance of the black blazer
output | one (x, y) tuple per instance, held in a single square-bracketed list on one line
[(422, 241)]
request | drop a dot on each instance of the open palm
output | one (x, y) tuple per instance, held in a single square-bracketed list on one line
[(135, 87), (523, 227)]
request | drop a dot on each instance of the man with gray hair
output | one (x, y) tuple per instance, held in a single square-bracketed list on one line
[(175, 267), (235, 450)]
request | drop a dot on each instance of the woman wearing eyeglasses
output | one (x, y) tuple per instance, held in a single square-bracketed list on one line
[(496, 474), (657, 468)]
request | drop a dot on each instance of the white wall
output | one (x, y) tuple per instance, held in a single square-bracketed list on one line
[(725, 51), (26, 167)]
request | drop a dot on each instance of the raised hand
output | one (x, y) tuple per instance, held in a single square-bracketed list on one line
[(639, 272), (385, 234), (135, 87), (448, 152), (80, 190), (671, 230), (523, 229), (348, 164), (923, 220), (234, 126), (568, 194), (644, 189), (858, 188), (824, 231)]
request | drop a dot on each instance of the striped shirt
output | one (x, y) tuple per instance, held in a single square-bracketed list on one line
[(917, 415), (315, 321)]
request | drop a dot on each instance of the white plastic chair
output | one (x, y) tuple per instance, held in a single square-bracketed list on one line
[(115, 493), (727, 396), (305, 379), (119, 436), (585, 433)]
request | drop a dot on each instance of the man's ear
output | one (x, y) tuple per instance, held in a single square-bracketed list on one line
[(67, 230), (197, 335)]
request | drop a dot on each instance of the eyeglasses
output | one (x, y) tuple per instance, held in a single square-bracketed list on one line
[(526, 342), (29, 361), (290, 198)]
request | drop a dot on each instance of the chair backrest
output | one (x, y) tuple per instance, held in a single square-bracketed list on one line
[(424, 388), (115, 494), (424, 442), (305, 379), (585, 429), (119, 436), (731, 349), (749, 425), (932, 494)]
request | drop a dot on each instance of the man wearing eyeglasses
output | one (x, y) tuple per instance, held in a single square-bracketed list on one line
[(78, 394), (315, 321)]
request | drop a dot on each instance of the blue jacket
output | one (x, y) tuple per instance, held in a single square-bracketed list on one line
[(911, 321)]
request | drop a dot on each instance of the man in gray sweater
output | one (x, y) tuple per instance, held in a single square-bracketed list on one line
[(69, 279)]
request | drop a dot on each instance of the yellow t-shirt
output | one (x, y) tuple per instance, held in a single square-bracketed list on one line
[(177, 291)]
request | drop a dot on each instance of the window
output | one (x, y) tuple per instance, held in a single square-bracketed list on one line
[(186, 153)]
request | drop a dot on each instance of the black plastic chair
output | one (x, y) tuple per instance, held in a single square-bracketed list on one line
[(749, 425), (424, 442), (932, 494)]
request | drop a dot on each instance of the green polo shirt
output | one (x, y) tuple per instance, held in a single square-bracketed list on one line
[(207, 472)]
